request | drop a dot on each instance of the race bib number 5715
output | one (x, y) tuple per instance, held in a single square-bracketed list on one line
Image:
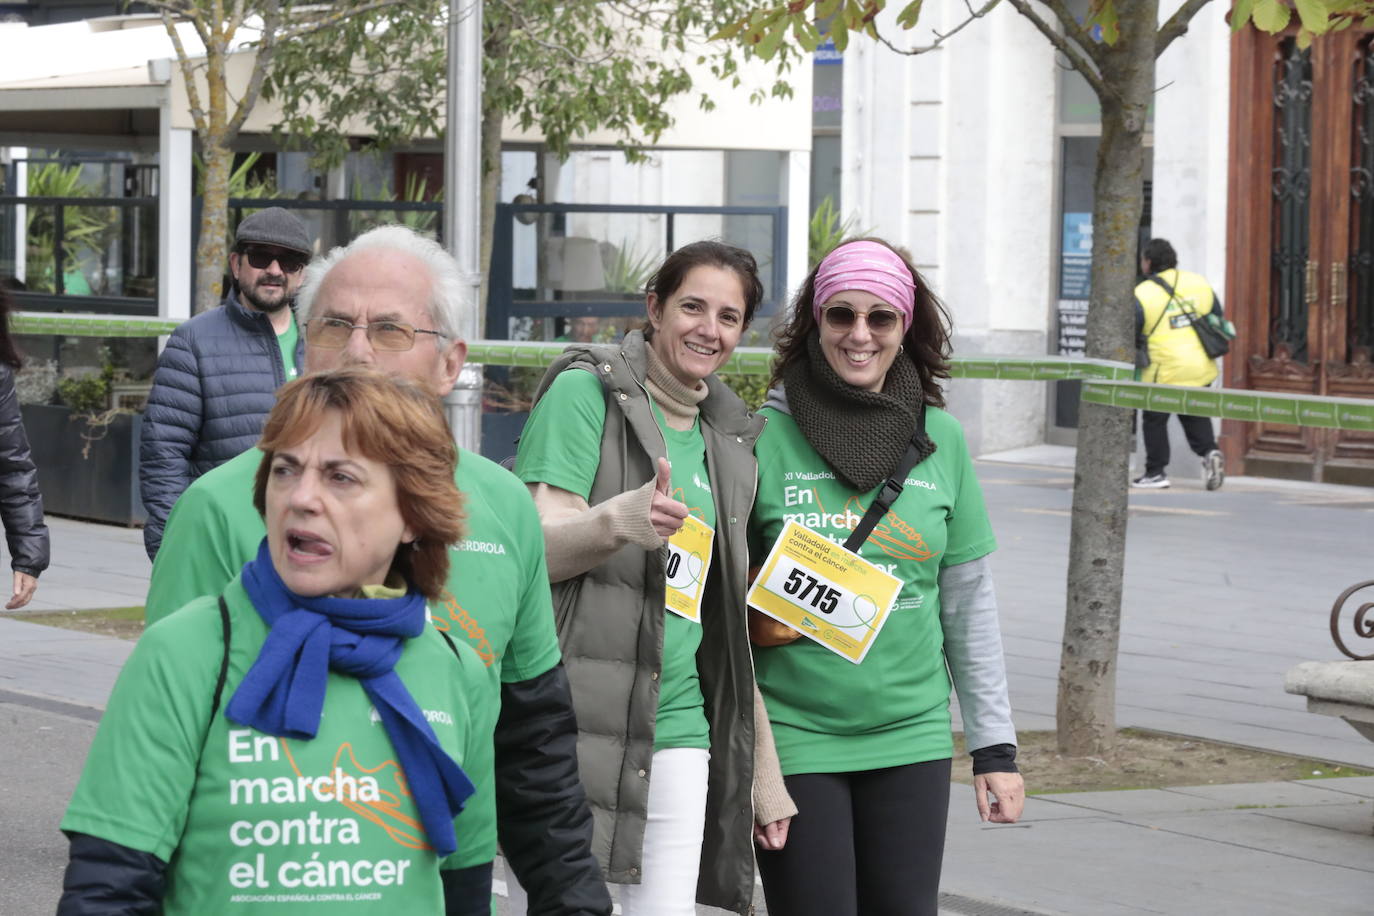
[(826, 593)]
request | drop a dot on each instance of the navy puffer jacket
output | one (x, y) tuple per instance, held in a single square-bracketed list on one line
[(21, 505), (216, 382)]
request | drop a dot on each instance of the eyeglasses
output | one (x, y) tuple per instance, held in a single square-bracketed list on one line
[(333, 333), (262, 258), (843, 318)]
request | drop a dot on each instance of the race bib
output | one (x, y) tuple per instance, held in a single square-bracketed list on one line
[(826, 593), (689, 559)]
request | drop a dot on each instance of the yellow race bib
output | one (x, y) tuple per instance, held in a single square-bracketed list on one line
[(826, 593), (689, 559)]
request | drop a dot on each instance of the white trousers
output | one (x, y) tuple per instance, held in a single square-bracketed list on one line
[(672, 840)]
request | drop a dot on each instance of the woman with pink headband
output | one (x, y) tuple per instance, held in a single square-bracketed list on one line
[(859, 451)]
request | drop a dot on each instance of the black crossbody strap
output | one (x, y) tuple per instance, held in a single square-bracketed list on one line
[(223, 661), (891, 489), (1164, 311)]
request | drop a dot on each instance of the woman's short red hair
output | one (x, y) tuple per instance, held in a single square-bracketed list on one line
[(392, 421)]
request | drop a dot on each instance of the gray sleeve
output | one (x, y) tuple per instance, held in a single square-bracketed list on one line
[(973, 651)]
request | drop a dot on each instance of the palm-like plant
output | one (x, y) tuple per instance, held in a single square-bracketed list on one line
[(84, 229), (827, 230)]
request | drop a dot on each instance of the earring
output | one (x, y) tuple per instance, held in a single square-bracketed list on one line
[(901, 348), (415, 544)]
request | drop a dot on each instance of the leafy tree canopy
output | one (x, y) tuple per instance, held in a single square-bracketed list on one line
[(563, 68)]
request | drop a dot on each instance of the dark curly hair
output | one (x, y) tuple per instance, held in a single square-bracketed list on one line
[(925, 343)]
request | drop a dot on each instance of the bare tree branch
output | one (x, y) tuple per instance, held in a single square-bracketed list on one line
[(188, 75), (941, 37), (1075, 30), (236, 16), (1071, 50), (1177, 24), (182, 9), (271, 22)]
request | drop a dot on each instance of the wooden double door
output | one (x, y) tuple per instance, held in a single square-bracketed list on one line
[(1300, 271)]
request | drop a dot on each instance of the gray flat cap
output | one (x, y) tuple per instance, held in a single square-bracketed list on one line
[(274, 226)]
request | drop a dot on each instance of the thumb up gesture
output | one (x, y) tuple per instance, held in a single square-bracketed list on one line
[(665, 513)]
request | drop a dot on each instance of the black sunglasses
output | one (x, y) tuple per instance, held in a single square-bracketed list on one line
[(262, 258), (843, 318)]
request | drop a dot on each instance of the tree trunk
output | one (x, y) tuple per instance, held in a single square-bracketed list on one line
[(211, 250), (496, 31), (1086, 712), (491, 187)]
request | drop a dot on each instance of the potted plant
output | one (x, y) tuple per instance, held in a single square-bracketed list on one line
[(86, 451)]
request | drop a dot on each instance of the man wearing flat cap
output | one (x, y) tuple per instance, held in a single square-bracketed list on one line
[(217, 377)]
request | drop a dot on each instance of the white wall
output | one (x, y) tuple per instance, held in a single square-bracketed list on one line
[(1191, 142), (951, 154)]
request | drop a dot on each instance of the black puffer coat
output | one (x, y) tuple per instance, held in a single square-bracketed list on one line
[(21, 505), (216, 382)]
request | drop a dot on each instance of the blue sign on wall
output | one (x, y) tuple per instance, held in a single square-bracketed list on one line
[(1076, 256)]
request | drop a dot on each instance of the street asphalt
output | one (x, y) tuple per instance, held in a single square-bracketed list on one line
[(1224, 592)]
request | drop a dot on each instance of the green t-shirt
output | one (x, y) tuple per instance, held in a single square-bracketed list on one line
[(830, 715), (561, 446), (287, 341), (497, 595), (254, 823)]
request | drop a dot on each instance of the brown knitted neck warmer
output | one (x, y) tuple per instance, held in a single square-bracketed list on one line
[(861, 434), (676, 400)]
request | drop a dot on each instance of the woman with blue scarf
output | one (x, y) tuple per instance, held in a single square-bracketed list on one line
[(298, 743)]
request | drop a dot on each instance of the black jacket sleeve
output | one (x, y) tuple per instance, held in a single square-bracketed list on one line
[(107, 879), (21, 505), (542, 817), (467, 891)]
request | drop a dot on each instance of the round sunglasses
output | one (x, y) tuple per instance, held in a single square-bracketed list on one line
[(843, 318)]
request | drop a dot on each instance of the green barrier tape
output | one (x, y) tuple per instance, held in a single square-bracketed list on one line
[(90, 325), (1105, 382), (537, 354), (1287, 409)]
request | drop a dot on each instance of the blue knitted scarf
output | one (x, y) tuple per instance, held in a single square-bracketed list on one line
[(283, 692)]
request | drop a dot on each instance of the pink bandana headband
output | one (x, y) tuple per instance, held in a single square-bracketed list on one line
[(870, 267)]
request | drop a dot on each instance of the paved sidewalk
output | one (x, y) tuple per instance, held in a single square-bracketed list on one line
[(1224, 592)]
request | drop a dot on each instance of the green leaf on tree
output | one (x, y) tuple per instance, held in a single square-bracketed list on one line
[(908, 16), (839, 33), (1314, 16), (769, 45), (1271, 15), (1102, 14), (1240, 14)]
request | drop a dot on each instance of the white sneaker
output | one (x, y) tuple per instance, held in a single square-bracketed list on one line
[(1213, 469), (1151, 482)]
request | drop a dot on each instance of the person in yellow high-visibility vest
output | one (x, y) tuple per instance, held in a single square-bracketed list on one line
[(1167, 302)]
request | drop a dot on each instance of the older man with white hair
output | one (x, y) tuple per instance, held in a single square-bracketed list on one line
[(394, 300)]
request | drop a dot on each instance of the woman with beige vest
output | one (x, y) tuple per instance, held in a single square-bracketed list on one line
[(641, 465)]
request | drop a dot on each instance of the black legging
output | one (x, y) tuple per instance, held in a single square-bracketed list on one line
[(865, 843), (1201, 438)]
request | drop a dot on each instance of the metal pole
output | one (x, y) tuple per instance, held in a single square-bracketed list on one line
[(462, 199)]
